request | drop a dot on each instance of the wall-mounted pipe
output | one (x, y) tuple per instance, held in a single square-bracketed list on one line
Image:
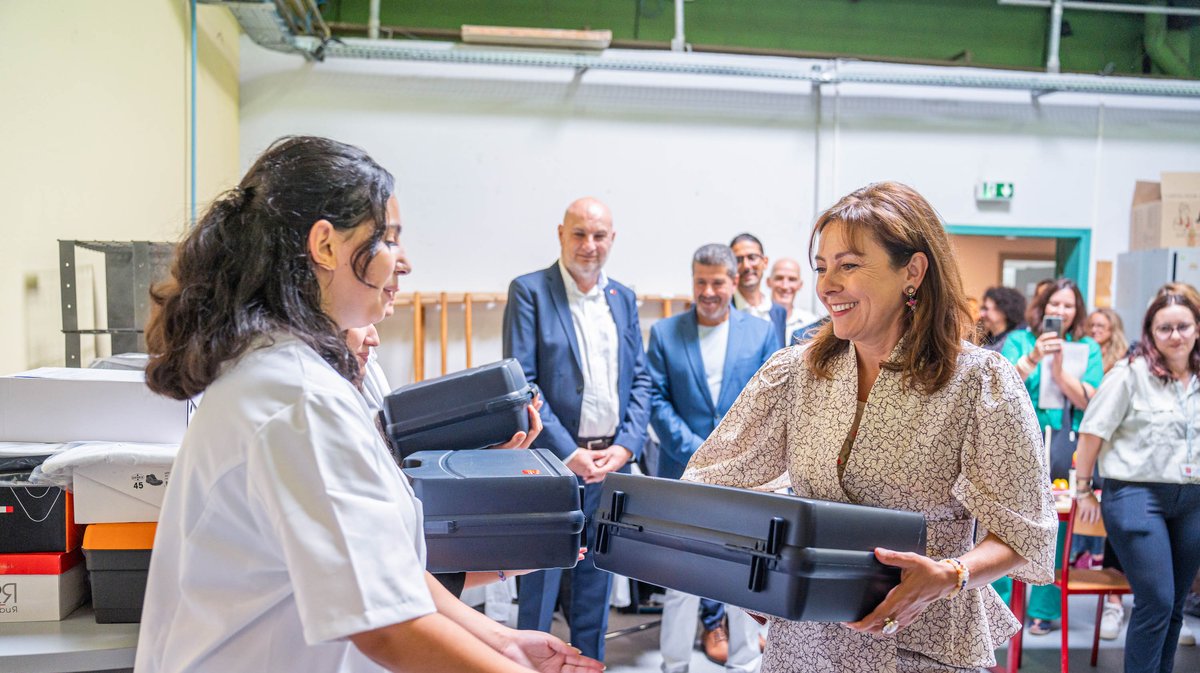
[(1052, 63), (678, 43), (373, 21)]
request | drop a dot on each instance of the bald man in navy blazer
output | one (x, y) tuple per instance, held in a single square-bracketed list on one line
[(576, 334)]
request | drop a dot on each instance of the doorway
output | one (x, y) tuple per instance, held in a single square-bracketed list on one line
[(1019, 256)]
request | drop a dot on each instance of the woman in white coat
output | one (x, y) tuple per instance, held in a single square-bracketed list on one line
[(288, 539)]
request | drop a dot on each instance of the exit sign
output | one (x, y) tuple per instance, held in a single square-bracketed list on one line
[(994, 191)]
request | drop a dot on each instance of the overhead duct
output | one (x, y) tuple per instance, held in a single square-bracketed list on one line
[(267, 28)]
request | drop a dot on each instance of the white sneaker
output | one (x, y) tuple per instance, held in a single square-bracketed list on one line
[(1186, 637), (1111, 621)]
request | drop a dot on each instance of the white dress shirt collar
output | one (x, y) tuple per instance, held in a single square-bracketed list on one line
[(573, 287)]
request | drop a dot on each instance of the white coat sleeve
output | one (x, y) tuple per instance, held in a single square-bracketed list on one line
[(348, 527)]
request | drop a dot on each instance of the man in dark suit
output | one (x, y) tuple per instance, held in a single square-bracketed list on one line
[(750, 298), (576, 335), (699, 363)]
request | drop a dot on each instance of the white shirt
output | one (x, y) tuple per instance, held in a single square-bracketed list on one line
[(714, 341), (761, 311), (1151, 429), (286, 527), (375, 384), (596, 334), (799, 318)]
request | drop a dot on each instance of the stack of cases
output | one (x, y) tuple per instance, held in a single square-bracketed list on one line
[(41, 577), (120, 504)]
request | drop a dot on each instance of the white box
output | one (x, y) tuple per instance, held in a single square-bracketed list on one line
[(42, 598), (60, 404), (113, 493)]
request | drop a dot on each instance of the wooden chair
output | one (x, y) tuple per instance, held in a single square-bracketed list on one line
[(1072, 581)]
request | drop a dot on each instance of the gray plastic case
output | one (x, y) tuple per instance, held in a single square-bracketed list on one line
[(471, 409), (496, 509), (800, 559)]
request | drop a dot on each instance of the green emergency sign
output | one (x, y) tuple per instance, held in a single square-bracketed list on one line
[(994, 191)]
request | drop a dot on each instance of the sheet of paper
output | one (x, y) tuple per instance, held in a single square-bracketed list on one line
[(1075, 356)]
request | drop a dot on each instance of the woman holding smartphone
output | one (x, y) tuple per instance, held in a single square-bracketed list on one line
[(1059, 315)]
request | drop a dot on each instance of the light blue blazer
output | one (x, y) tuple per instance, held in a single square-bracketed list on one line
[(682, 412)]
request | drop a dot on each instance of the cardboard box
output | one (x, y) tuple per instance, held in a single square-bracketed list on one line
[(60, 404), (111, 493), (1166, 214), (41, 587), (36, 519)]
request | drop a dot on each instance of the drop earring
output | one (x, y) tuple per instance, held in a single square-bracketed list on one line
[(911, 302)]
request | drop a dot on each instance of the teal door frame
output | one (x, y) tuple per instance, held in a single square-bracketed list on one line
[(1072, 255)]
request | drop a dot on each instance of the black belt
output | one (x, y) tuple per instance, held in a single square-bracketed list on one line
[(596, 443)]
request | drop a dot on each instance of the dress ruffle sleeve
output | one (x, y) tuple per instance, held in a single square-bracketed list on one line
[(1003, 480), (748, 448)]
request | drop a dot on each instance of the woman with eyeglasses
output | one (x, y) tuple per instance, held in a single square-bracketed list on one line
[(1144, 424)]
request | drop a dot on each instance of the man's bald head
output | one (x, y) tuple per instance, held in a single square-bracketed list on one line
[(784, 281), (586, 235), (588, 208)]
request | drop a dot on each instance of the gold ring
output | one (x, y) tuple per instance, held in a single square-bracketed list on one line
[(890, 626)]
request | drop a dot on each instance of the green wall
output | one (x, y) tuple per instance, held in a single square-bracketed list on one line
[(979, 32)]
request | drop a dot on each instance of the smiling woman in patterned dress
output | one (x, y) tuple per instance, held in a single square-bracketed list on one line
[(889, 406)]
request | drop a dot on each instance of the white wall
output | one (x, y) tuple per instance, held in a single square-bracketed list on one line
[(94, 131), (487, 157)]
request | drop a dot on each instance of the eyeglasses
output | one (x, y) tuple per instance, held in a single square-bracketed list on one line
[(753, 258), (1185, 330)]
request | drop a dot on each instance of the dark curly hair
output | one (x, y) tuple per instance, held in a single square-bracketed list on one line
[(243, 271), (1010, 302)]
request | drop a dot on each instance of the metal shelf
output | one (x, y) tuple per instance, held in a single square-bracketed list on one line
[(130, 267)]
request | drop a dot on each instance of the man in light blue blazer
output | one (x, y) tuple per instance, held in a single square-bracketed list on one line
[(576, 334), (699, 363)]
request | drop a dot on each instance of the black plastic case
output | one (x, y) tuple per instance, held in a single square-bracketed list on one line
[(118, 583), (497, 509), (471, 409), (800, 559)]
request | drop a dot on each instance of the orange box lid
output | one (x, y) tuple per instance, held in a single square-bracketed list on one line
[(119, 536), (39, 564)]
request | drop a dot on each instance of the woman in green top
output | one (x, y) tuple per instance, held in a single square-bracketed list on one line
[(1026, 349)]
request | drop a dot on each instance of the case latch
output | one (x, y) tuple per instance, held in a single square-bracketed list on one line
[(770, 548)]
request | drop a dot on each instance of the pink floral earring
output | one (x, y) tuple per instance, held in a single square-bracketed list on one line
[(911, 302)]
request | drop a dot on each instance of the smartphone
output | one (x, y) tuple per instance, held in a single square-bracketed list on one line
[(1052, 323)]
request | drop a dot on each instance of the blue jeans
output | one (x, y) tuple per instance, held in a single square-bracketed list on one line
[(1155, 530)]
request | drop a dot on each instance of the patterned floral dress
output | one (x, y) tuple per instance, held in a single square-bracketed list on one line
[(969, 457)]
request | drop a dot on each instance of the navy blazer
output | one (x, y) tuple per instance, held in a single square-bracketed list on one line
[(683, 412), (540, 333)]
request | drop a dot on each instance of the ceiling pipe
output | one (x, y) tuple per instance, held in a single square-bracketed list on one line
[(1052, 62), (1122, 8), (1160, 51), (264, 25)]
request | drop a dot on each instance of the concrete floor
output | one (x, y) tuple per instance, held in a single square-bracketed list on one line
[(637, 652)]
